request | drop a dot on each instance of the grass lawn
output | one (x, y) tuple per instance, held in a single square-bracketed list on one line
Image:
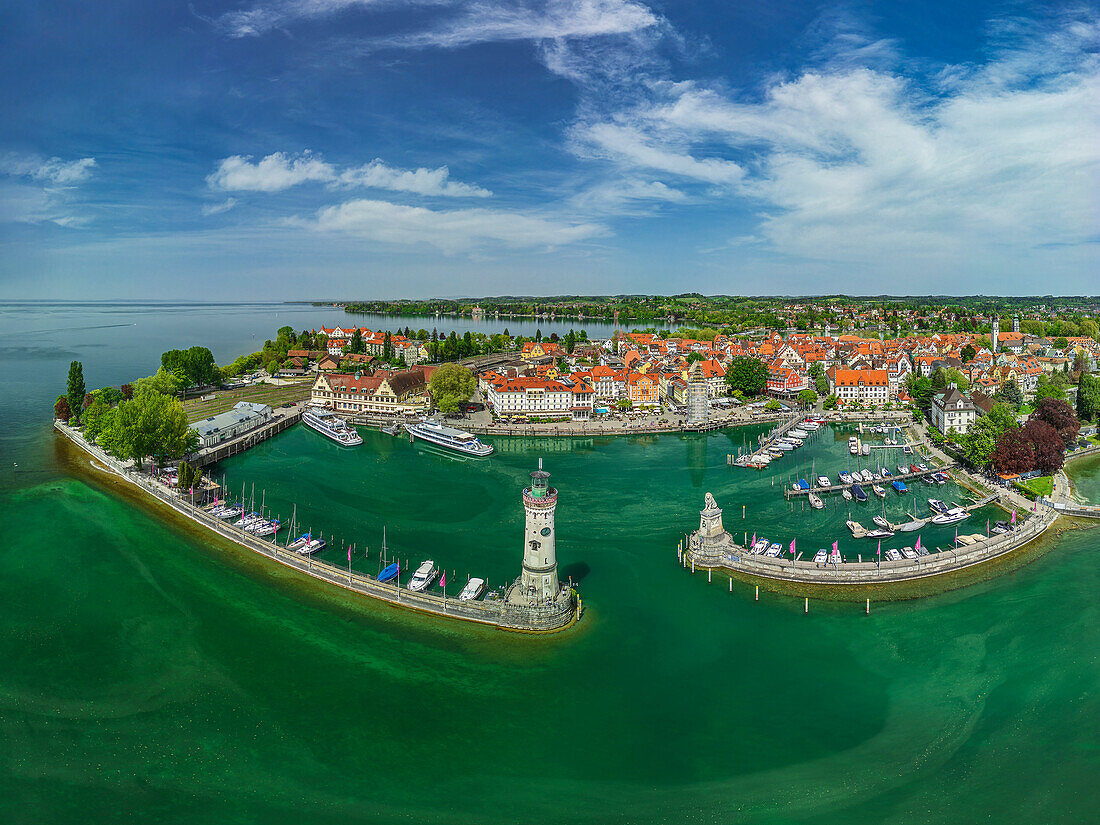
[(223, 400), (1041, 486)]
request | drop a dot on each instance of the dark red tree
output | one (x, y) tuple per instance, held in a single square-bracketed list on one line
[(89, 399), (61, 409), (1013, 453), (127, 391), (1060, 415), (1046, 445)]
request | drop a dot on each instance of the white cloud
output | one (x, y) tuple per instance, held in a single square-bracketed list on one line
[(377, 175), (54, 171), (629, 145), (274, 173), (209, 209), (265, 17), (481, 22), (450, 231), (46, 192), (280, 171)]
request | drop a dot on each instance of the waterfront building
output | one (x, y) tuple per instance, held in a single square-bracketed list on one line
[(952, 409), (534, 395), (643, 389), (383, 392), (244, 417), (860, 386), (538, 583)]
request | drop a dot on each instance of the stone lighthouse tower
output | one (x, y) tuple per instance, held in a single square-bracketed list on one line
[(538, 583)]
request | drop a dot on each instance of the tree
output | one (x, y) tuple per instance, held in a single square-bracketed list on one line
[(189, 476), (1088, 398), (61, 409), (956, 377), (75, 390), (1050, 390), (772, 405), (127, 391), (1047, 447), (831, 402), (150, 424), (816, 370), (980, 441), (749, 375), (96, 418), (968, 353), (387, 347), (807, 398), (939, 380), (163, 382), (570, 341), (1060, 343), (451, 385), (356, 343), (1010, 394), (919, 389), (1060, 416), (1013, 454)]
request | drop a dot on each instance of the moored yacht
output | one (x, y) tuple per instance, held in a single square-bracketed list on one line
[(453, 439), (425, 574), (327, 424), (473, 589)]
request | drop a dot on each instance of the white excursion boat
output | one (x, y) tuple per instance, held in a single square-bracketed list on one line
[(327, 424), (820, 556), (444, 436), (425, 574), (473, 589)]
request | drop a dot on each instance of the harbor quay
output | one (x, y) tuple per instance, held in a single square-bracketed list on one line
[(536, 602), (712, 547)]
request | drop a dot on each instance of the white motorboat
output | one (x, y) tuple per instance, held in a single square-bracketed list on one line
[(882, 522), (952, 516), (267, 527), (909, 552), (774, 549), (937, 506), (834, 557), (892, 554), (907, 449), (312, 546), (847, 494), (821, 556), (866, 476), (858, 530), (760, 546), (473, 589), (879, 491), (449, 437), (823, 481), (878, 534), (911, 526), (853, 448), (809, 426), (329, 425), (845, 478), (230, 512), (816, 502), (299, 542), (784, 446), (425, 574), (797, 433), (866, 449), (245, 521)]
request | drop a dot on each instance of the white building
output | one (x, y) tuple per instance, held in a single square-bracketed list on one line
[(860, 386), (244, 417), (952, 409), (540, 397)]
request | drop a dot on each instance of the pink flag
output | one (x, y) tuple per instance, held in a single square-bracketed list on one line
[(834, 547), (880, 547), (443, 579), (987, 527), (792, 547), (753, 540), (1013, 517), (349, 554), (918, 542)]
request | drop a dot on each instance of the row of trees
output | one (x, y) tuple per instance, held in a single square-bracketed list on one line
[(997, 438), (130, 422)]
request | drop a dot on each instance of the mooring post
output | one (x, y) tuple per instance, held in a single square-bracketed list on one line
[(868, 607), (731, 584), (757, 593), (693, 567), (708, 575), (806, 605)]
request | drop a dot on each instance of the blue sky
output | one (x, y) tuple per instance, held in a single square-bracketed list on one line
[(375, 148)]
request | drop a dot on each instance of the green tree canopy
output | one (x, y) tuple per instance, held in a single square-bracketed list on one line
[(450, 385), (163, 382), (807, 398), (75, 390), (749, 375), (149, 424), (980, 441), (1010, 394), (1088, 398), (1050, 389)]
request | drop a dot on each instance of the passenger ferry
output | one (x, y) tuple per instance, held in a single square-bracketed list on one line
[(443, 436), (327, 424)]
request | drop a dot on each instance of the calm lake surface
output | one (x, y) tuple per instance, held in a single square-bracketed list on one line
[(144, 669)]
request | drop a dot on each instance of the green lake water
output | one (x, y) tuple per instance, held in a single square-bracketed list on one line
[(149, 673)]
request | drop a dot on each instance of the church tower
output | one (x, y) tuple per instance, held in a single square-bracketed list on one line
[(538, 583), (996, 329), (1015, 323)]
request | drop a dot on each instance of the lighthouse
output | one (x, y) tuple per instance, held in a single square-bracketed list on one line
[(538, 583)]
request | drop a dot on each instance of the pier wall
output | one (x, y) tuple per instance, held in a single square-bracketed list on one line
[(870, 572), (492, 613)]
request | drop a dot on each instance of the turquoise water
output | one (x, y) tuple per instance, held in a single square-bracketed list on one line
[(150, 674)]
